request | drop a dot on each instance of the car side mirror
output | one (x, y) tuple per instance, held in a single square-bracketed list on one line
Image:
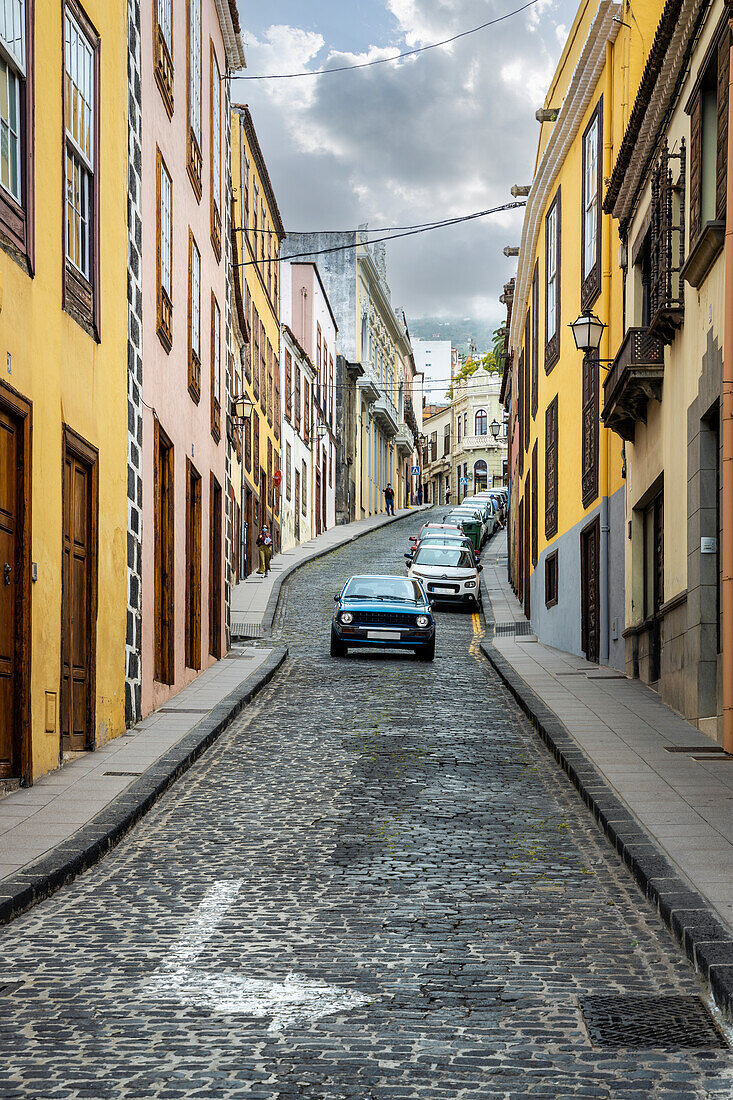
[(336, 598), (408, 557), (413, 538), (480, 568), (432, 603)]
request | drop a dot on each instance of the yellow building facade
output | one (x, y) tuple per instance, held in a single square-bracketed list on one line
[(567, 468), (63, 383), (259, 230)]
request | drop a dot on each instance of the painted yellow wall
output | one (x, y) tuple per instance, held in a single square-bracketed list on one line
[(69, 378), (255, 277)]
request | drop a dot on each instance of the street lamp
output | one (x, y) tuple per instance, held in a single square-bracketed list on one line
[(495, 428), (587, 332), (241, 409)]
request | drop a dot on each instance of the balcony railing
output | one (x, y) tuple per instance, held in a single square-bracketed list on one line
[(635, 377)]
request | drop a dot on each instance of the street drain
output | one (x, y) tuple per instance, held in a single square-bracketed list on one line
[(512, 628), (662, 1023), (122, 773)]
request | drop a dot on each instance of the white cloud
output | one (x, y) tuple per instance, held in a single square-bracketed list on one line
[(438, 135)]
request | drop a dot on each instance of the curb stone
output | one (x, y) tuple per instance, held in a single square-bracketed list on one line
[(92, 841), (705, 941), (271, 609)]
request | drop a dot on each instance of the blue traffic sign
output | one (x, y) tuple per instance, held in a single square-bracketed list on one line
[(463, 481), (414, 469)]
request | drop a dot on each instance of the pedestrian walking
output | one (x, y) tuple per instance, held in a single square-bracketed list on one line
[(389, 499), (447, 494), (264, 543)]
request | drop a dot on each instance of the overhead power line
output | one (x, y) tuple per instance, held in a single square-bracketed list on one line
[(388, 60), (392, 237)]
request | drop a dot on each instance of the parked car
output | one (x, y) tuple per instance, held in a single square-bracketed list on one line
[(448, 573), (442, 538), (451, 528), (472, 522), (383, 613)]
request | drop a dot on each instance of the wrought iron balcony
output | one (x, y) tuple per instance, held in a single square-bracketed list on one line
[(635, 377)]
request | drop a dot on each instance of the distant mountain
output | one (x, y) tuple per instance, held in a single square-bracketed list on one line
[(458, 331)]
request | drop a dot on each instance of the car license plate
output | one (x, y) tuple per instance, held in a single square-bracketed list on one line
[(384, 635)]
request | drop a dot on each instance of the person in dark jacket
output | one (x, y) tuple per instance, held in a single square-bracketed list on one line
[(389, 499), (264, 543)]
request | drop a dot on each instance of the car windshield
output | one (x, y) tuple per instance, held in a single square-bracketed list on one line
[(454, 558), (383, 588)]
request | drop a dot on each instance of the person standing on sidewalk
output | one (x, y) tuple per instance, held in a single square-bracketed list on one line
[(447, 494), (264, 542), (389, 499)]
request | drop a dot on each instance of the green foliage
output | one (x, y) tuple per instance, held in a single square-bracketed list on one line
[(487, 362)]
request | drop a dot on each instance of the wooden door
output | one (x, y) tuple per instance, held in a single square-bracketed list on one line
[(297, 506), (654, 581), (318, 501), (249, 532), (193, 566), (520, 553), (11, 507), (78, 595), (590, 592), (526, 551), (215, 563), (164, 653)]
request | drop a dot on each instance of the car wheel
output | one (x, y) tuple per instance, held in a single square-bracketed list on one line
[(427, 652), (338, 649)]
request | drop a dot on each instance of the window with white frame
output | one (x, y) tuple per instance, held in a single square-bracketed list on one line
[(165, 22), (194, 68), (551, 273), (195, 300), (590, 197), (215, 362), (79, 113), (166, 231), (215, 154), (12, 77)]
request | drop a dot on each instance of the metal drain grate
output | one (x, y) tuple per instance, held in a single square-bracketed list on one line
[(512, 628), (661, 1023), (246, 630), (122, 773), (694, 748)]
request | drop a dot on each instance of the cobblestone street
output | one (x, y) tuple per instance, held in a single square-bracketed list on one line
[(377, 885)]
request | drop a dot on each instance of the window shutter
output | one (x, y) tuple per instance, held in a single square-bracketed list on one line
[(695, 166), (721, 166), (535, 505), (551, 469)]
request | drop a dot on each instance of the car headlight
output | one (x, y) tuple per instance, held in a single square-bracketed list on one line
[(470, 584), (346, 617), (423, 620)]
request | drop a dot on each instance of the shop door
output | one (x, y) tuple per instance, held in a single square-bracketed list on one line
[(318, 501), (78, 593), (215, 568), (11, 504), (324, 482), (654, 581), (249, 532), (589, 569)]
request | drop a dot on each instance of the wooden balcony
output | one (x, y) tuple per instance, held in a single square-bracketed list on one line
[(635, 377)]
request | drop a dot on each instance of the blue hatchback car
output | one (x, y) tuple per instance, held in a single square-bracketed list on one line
[(385, 613)]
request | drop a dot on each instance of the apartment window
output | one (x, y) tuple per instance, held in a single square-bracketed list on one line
[(248, 442), (708, 110), (81, 48), (276, 377), (288, 387), (434, 447), (288, 471), (16, 126), (304, 489), (551, 579), (255, 448), (535, 339), (552, 284), (330, 464), (306, 411), (318, 362), (331, 387), (465, 424), (164, 251), (270, 486), (163, 46), (194, 318), (591, 223), (446, 440), (551, 469), (215, 155), (215, 369), (296, 421), (193, 62), (481, 422), (589, 475)]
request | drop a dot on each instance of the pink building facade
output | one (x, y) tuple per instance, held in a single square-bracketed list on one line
[(186, 51), (307, 312)]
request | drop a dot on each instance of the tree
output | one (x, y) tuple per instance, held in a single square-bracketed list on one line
[(469, 366)]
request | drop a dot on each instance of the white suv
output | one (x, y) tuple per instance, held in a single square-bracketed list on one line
[(448, 573)]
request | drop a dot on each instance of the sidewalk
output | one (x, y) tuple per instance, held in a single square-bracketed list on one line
[(254, 600), (661, 789), (67, 820)]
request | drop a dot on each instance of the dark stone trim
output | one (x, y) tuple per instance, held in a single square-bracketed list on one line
[(90, 843), (706, 942)]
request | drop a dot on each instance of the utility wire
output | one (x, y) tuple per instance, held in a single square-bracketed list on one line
[(397, 57), (394, 237), (336, 232)]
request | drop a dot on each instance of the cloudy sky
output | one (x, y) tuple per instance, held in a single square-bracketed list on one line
[(434, 136)]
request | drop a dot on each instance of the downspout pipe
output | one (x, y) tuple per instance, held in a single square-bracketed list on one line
[(604, 579), (727, 440)]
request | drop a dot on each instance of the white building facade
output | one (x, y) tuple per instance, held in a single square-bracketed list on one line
[(479, 451)]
